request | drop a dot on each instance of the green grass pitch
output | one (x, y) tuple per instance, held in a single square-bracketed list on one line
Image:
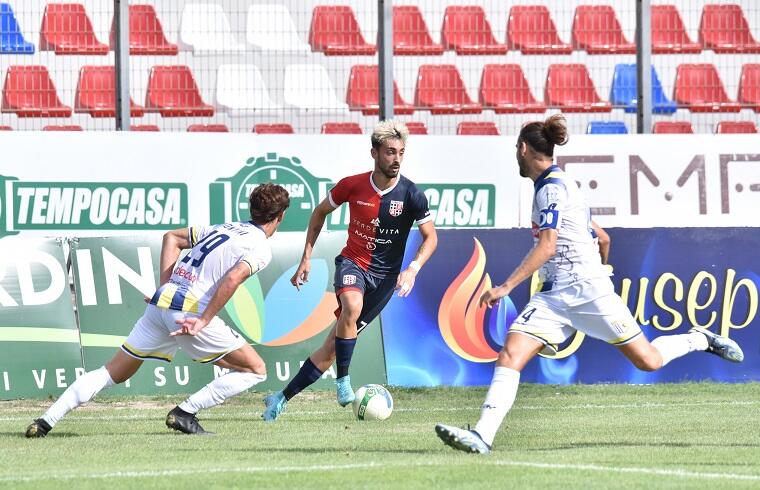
[(606, 436)]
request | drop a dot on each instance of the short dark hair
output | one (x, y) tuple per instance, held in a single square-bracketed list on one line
[(267, 201), (543, 135)]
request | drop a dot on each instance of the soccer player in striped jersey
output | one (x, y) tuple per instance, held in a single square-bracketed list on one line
[(383, 205), (575, 291), (182, 313)]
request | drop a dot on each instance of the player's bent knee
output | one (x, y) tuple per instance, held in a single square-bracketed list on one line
[(650, 362)]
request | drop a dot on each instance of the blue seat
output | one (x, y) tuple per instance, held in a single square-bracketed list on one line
[(11, 39), (623, 91), (606, 127)]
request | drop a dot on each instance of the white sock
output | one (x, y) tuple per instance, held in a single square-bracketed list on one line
[(499, 399), (674, 346), (220, 389), (81, 391)]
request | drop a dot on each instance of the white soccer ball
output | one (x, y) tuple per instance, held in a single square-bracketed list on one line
[(373, 402)]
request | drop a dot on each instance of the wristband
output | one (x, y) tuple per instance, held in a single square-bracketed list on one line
[(414, 265)]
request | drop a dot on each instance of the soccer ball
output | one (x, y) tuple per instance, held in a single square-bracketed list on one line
[(373, 402)]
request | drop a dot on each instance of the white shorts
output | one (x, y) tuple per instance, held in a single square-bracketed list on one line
[(591, 307), (150, 338)]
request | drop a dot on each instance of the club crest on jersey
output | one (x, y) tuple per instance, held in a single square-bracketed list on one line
[(396, 208), (349, 279)]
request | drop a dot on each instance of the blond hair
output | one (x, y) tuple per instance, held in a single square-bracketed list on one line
[(389, 129)]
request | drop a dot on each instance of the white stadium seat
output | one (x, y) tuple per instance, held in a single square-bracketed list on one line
[(308, 86), (205, 27), (270, 27), (240, 90)]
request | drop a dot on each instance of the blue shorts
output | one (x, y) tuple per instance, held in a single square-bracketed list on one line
[(377, 290)]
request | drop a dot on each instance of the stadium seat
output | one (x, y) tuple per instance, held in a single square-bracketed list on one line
[(749, 86), (363, 92), (147, 128), (11, 39), (410, 33), (240, 90), (570, 88), (341, 128), (597, 30), (308, 86), (277, 128), (668, 32), (416, 127), (96, 93), (146, 34), (270, 27), (623, 92), (441, 90), (467, 31), (504, 89), (6, 128), (732, 127), (172, 92), (477, 128), (335, 31), (66, 29), (672, 127), (531, 29), (724, 29), (70, 127), (29, 92), (206, 28), (208, 128), (698, 87), (606, 127)]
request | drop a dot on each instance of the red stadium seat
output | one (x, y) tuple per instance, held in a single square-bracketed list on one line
[(277, 128), (72, 127), (146, 34), (749, 86), (208, 128), (363, 92), (335, 31), (724, 29), (172, 91), (66, 29), (672, 127), (504, 89), (29, 92), (410, 33), (341, 128), (481, 128), (570, 88), (531, 29), (416, 127), (730, 127), (597, 30), (440, 88), (6, 128), (148, 128), (467, 31), (668, 32), (698, 87), (96, 93)]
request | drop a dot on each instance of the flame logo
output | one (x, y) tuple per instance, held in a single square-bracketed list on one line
[(284, 316), (473, 332)]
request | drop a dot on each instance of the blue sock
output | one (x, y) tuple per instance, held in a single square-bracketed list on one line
[(344, 349), (305, 377)]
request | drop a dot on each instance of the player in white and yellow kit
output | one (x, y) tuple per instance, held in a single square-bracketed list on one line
[(575, 292), (182, 314)]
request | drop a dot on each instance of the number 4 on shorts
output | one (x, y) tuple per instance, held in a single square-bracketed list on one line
[(526, 316)]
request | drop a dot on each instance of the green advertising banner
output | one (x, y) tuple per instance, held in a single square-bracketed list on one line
[(39, 341), (113, 275)]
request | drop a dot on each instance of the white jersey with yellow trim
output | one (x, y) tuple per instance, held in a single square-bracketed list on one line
[(215, 250), (559, 204)]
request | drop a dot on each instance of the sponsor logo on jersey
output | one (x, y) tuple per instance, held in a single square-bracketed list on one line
[(396, 208), (26, 205), (375, 222), (365, 203), (349, 279)]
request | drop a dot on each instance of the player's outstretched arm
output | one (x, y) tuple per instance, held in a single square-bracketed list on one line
[(405, 280), (316, 222), (227, 287), (538, 255), (174, 242), (604, 241)]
